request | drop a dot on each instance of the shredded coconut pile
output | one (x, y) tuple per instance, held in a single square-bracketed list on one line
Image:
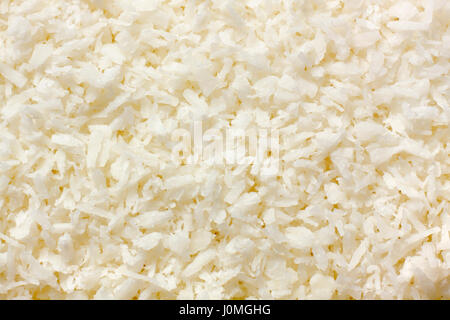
[(92, 205)]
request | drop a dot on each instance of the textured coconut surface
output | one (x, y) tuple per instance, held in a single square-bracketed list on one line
[(100, 200)]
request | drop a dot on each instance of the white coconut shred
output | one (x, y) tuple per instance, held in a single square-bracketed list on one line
[(107, 191)]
